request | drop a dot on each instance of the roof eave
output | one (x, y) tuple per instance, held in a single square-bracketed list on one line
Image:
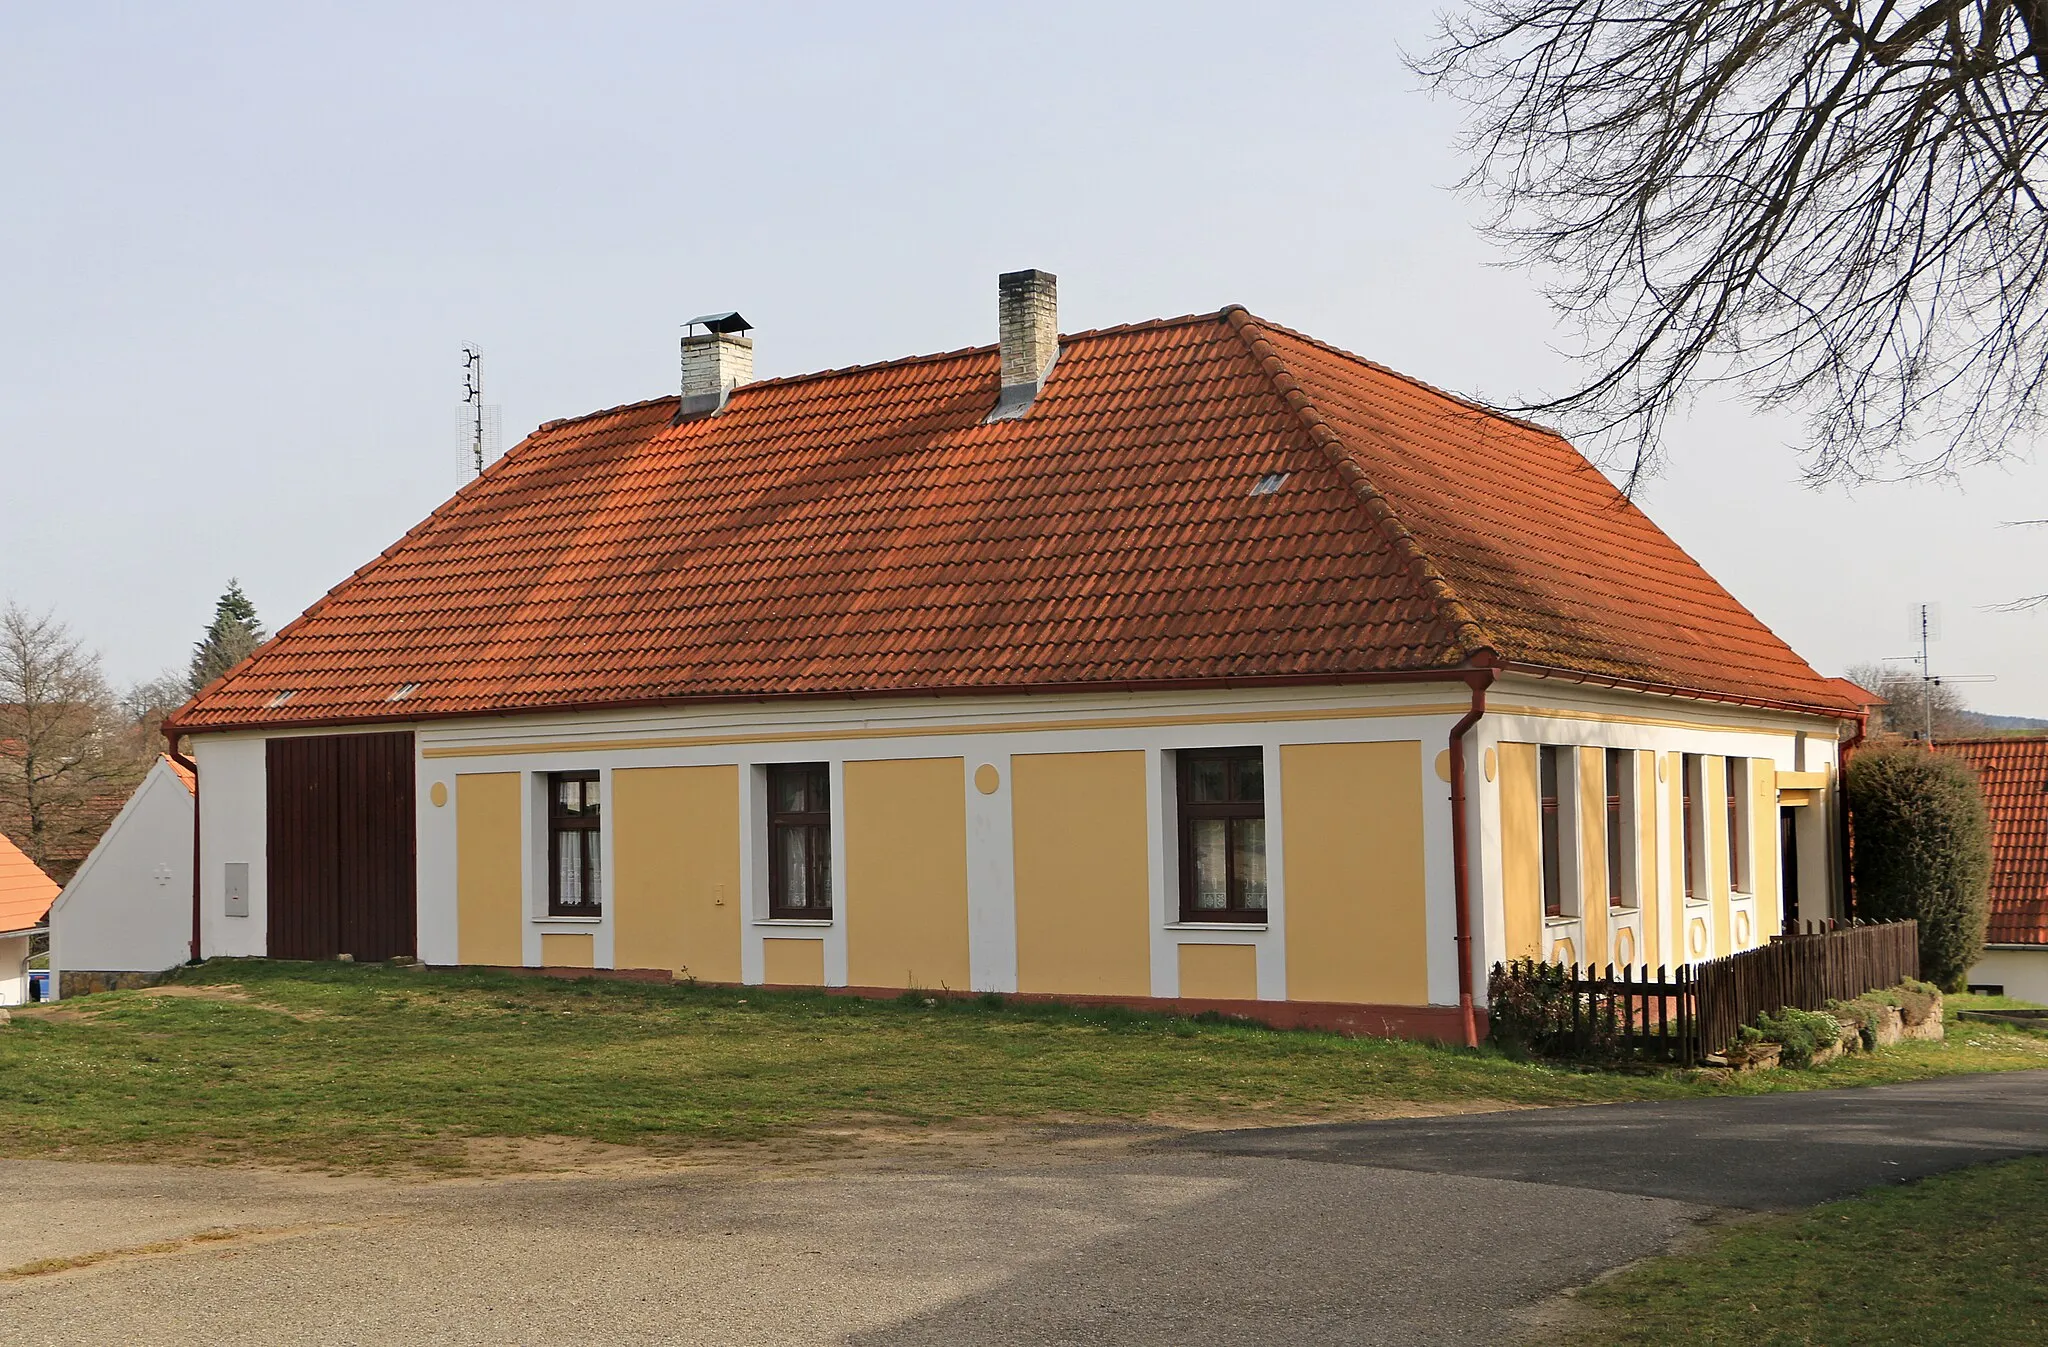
[(1438, 674)]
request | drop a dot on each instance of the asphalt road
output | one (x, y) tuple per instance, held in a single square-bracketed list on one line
[(1426, 1231), (1773, 1152)]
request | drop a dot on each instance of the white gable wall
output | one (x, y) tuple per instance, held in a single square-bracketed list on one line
[(129, 907)]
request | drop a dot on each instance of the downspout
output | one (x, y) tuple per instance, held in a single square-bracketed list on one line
[(192, 766), (1461, 870), (1842, 837)]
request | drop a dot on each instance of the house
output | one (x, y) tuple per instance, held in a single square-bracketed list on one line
[(2013, 772), (25, 897), (128, 909), (1193, 661)]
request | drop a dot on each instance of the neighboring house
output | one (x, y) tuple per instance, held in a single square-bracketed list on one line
[(2014, 774), (25, 897), (1143, 663), (129, 907)]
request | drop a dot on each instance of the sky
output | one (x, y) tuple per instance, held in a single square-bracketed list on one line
[(246, 243)]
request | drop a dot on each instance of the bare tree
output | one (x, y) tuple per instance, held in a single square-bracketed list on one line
[(1829, 204), (1913, 704), (66, 752)]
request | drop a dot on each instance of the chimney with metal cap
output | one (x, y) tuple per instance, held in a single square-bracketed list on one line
[(1028, 310), (715, 361)]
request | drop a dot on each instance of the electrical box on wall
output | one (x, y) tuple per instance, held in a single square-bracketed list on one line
[(238, 889)]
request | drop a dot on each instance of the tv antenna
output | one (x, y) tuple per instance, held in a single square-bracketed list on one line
[(480, 420), (1927, 628)]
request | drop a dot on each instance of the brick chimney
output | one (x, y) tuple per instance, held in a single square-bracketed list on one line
[(715, 361), (1028, 312)]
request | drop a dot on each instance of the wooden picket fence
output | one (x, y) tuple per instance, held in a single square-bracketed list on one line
[(1690, 1013)]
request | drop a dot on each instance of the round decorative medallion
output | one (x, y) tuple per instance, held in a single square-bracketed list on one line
[(1742, 929), (1443, 764), (438, 793), (1491, 766), (1625, 946), (987, 779), (1696, 938), (1562, 952)]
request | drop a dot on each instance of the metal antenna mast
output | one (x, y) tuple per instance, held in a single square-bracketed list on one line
[(473, 394), (1928, 619)]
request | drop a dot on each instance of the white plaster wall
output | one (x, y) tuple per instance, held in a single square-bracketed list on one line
[(14, 970), (231, 829), (129, 907), (2023, 972)]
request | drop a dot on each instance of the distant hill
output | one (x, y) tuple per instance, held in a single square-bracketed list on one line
[(2012, 722)]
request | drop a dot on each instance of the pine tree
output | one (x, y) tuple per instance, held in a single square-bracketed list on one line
[(230, 637)]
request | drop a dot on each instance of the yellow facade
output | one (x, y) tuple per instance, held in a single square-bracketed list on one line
[(1219, 972), (676, 870), (793, 963), (1356, 918), (488, 920), (568, 949), (1592, 797), (906, 873), (1521, 843), (1763, 861), (1081, 879)]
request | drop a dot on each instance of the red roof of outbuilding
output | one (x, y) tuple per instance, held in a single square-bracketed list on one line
[(866, 531), (25, 891), (2014, 775)]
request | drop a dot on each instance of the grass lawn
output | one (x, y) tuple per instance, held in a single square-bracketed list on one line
[(1953, 1259), (359, 1066)]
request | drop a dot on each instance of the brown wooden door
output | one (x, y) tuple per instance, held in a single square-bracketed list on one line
[(341, 874)]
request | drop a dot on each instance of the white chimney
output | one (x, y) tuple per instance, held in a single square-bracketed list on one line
[(1028, 314), (715, 361)]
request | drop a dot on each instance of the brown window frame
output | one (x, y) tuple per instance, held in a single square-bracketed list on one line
[(1691, 774), (1735, 851), (816, 819), (1550, 826), (1192, 810), (1618, 762), (586, 827)]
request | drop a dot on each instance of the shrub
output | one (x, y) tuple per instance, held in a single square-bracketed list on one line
[(1527, 1006), (1801, 1033), (1922, 851)]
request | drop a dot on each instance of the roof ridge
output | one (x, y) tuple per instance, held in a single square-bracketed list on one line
[(895, 362), (1468, 637)]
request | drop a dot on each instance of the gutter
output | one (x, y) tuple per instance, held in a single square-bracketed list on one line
[(1461, 870)]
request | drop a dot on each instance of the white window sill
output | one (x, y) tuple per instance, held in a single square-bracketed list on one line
[(1218, 926), (1551, 923), (1699, 902), (567, 921), (811, 922)]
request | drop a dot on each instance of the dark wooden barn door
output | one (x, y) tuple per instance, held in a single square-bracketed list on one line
[(341, 846)]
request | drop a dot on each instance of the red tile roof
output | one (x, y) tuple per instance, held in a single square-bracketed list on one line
[(865, 531), (2014, 775), (25, 891), (187, 778)]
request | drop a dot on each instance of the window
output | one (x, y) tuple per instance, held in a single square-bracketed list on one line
[(575, 835), (1732, 779), (1553, 831), (1222, 834), (1688, 824), (1620, 856), (800, 841)]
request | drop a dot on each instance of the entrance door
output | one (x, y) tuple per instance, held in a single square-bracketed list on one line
[(1788, 860), (341, 875)]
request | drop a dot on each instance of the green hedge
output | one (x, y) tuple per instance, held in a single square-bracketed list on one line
[(1922, 850)]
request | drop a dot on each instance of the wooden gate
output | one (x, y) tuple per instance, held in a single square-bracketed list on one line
[(341, 828)]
